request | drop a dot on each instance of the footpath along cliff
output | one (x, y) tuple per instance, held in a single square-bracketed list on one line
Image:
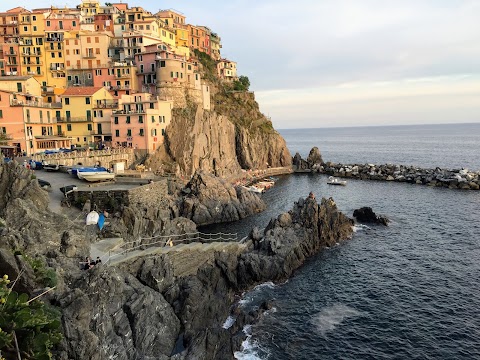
[(165, 306)]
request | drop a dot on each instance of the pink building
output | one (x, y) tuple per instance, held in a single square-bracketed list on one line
[(140, 121), (11, 122)]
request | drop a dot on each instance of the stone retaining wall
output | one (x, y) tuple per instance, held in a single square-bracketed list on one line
[(90, 157)]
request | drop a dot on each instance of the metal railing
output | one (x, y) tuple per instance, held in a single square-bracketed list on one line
[(144, 243)]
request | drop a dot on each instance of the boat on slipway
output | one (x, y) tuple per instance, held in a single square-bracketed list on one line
[(96, 176), (74, 169), (334, 181)]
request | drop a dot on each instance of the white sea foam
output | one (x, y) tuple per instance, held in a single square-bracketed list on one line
[(360, 227), (248, 297), (332, 316), (249, 350), (229, 322)]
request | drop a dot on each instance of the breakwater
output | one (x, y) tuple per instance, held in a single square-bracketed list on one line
[(449, 178)]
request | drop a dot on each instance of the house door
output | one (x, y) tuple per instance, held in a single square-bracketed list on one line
[(99, 129)]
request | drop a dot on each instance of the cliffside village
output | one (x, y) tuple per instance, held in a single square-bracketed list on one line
[(98, 76)]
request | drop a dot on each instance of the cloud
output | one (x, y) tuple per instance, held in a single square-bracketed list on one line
[(321, 62)]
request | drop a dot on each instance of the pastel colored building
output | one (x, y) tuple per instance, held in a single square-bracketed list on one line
[(31, 29), (227, 69), (87, 114), (40, 129), (141, 121), (21, 84), (8, 24), (215, 45)]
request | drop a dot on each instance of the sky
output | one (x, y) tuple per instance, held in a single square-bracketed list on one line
[(329, 63)]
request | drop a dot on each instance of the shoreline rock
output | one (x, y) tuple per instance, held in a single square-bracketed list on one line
[(449, 178), (366, 214)]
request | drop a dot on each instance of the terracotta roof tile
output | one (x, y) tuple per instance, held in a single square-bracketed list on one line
[(81, 90)]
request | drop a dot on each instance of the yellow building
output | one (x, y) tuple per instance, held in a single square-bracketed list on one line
[(87, 114), (87, 49), (21, 84), (31, 30)]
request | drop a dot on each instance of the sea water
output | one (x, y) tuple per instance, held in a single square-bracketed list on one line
[(406, 291)]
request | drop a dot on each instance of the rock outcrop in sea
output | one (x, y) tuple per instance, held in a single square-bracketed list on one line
[(366, 214)]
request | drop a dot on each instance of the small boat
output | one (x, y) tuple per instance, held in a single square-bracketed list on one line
[(68, 189), (335, 181), (74, 169), (97, 176), (254, 189), (51, 167), (81, 172)]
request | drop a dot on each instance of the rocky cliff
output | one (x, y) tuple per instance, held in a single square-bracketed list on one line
[(232, 135), (208, 200), (165, 306)]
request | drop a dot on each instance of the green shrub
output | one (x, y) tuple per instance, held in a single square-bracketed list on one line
[(35, 324)]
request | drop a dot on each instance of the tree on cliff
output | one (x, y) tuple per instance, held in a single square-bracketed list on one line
[(242, 84)]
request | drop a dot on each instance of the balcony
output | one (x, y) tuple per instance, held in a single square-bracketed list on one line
[(118, 87), (77, 119), (89, 56), (53, 39), (50, 48), (57, 67), (11, 53), (106, 105), (48, 90), (130, 112), (122, 76), (31, 103)]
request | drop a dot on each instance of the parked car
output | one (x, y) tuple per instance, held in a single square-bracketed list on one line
[(44, 184)]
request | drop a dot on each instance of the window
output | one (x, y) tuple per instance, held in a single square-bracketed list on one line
[(129, 132), (141, 132), (128, 120), (28, 115), (140, 119), (74, 23), (34, 18), (89, 127), (87, 101), (152, 66), (117, 133), (48, 22), (34, 28), (97, 50), (171, 74), (97, 40), (1, 114), (153, 119), (115, 120), (162, 63), (67, 42), (67, 52), (154, 132), (163, 132), (98, 72), (67, 101), (41, 116), (25, 28), (69, 127), (89, 40), (152, 105)]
